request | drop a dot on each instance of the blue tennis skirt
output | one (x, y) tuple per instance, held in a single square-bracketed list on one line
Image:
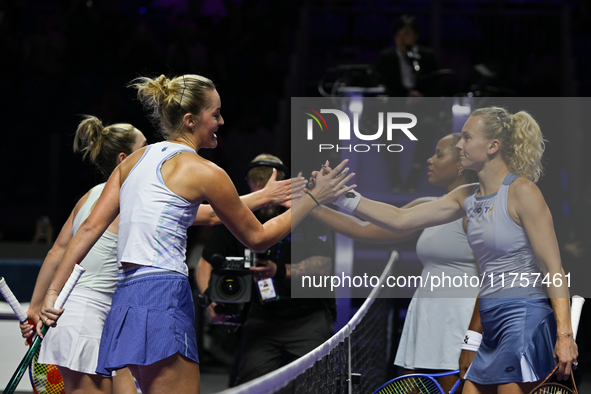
[(152, 317), (517, 342)]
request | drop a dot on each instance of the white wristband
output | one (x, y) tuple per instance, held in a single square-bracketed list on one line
[(472, 341), (348, 201)]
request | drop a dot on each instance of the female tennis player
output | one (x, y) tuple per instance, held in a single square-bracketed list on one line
[(73, 347), (511, 232), (436, 321), (156, 192)]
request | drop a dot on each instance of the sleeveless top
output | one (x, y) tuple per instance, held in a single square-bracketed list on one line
[(501, 246), (445, 253), (101, 260), (153, 221)]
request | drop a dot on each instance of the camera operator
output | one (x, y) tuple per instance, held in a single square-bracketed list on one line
[(283, 329)]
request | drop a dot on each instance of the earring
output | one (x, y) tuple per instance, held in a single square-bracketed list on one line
[(460, 171)]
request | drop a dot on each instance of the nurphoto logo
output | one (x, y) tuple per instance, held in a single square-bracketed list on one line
[(394, 122)]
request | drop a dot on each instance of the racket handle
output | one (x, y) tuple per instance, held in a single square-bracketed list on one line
[(24, 364), (59, 303), (575, 313), (12, 301), (69, 286)]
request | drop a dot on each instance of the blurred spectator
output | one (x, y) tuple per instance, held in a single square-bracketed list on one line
[(43, 231), (407, 70), (186, 54)]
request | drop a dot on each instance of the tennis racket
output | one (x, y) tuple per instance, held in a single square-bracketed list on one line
[(45, 378), (551, 385), (29, 356), (418, 384)]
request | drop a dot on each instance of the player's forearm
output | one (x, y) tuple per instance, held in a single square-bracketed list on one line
[(256, 200), (357, 229), (46, 274), (314, 265), (203, 274), (475, 324), (206, 216), (384, 215), (77, 249), (561, 307)]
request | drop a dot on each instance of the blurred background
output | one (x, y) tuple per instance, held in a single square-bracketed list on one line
[(60, 59)]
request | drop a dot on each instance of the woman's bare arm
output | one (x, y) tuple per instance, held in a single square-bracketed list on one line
[(526, 201), (402, 220), (274, 193), (363, 231)]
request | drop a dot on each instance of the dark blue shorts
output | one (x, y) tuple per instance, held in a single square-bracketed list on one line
[(152, 317)]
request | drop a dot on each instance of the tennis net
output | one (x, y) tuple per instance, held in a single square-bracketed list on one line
[(354, 360)]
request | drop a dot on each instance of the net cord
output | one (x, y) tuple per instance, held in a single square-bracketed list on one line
[(276, 380)]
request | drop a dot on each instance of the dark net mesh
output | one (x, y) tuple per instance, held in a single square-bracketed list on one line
[(367, 341), (370, 346), (326, 375)]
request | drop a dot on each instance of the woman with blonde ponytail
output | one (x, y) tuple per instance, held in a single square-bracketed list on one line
[(157, 192), (106, 147), (515, 338), (73, 345)]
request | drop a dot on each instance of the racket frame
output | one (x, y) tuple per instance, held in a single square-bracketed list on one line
[(576, 308), (433, 376), (59, 303)]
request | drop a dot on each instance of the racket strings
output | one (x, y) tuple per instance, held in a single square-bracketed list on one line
[(412, 385), (553, 388), (46, 378)]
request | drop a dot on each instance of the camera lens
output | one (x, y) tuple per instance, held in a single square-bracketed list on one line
[(230, 287)]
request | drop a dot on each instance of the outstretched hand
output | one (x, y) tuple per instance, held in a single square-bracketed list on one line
[(298, 186), (328, 184), (281, 192)]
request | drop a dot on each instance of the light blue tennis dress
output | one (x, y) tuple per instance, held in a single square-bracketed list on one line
[(519, 325)]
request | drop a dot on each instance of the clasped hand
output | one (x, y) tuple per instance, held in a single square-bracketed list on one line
[(328, 184)]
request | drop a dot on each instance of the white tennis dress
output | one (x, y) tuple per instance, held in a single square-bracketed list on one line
[(74, 342), (437, 319)]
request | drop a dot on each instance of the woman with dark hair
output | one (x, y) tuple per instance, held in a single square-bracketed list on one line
[(437, 320)]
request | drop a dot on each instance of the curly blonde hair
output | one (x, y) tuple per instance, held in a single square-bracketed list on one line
[(170, 99), (103, 144), (522, 142)]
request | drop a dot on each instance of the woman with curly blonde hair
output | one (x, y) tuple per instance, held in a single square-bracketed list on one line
[(156, 192), (515, 337)]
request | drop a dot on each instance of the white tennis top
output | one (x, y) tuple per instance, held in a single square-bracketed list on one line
[(153, 221), (101, 261), (438, 317)]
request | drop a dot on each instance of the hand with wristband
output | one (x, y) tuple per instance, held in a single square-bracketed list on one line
[(330, 186), (348, 200)]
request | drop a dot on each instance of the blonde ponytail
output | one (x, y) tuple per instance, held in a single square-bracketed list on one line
[(102, 145), (168, 100), (522, 143), (528, 146)]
